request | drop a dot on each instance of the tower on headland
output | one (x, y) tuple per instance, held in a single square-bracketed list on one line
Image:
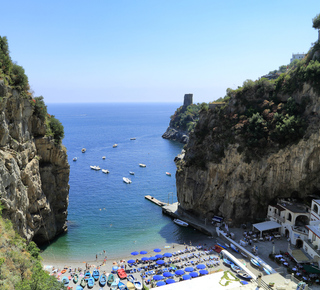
[(188, 100)]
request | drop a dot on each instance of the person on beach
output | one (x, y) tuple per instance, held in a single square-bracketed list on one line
[(96, 256)]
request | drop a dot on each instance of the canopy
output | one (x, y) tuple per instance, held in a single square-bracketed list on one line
[(159, 256), (167, 274), (170, 281), (131, 261), (189, 269), (194, 274), (311, 269), (160, 262), (217, 219), (152, 258), (135, 253), (157, 277), (143, 252), (201, 266), (265, 226), (179, 272), (186, 277), (157, 250), (144, 259), (168, 255), (203, 272), (161, 283)]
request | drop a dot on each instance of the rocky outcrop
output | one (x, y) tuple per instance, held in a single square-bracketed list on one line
[(34, 171), (176, 135), (240, 189)]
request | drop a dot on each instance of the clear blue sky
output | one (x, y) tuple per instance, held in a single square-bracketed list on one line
[(152, 50)]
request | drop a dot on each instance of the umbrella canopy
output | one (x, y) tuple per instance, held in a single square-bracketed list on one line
[(167, 255), (179, 272), (201, 266), (152, 258), (161, 283), (135, 253), (159, 256), (143, 252), (144, 259), (194, 274), (131, 261), (189, 269), (170, 281), (157, 277), (157, 250), (160, 262), (115, 268), (186, 277), (167, 274), (203, 272)]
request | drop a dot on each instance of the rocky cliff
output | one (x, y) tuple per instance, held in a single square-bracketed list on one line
[(34, 170), (263, 144), (176, 135)]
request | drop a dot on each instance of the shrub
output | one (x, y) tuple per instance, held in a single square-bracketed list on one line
[(40, 109), (56, 129), (18, 78)]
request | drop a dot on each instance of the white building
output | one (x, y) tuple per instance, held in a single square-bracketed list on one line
[(297, 56), (293, 218)]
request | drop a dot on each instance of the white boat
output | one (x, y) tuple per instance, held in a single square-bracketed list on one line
[(168, 173), (75, 158), (142, 165), (83, 150), (103, 157), (137, 285), (180, 223), (126, 180), (131, 172), (115, 145), (134, 138), (95, 167), (106, 171)]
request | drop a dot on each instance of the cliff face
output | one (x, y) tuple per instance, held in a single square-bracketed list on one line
[(34, 171), (239, 189), (176, 135)]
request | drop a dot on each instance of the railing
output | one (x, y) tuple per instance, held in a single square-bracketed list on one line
[(277, 218), (312, 246), (300, 230)]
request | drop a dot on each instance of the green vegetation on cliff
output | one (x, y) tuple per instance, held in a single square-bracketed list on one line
[(14, 76), (20, 263), (185, 118)]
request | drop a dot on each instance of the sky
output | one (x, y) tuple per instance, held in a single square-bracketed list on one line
[(152, 50)]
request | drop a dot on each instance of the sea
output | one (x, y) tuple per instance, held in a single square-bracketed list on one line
[(105, 215)]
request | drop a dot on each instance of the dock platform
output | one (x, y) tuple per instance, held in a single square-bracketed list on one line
[(155, 201)]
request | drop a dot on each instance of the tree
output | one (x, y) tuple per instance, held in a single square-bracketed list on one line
[(316, 22), (5, 60)]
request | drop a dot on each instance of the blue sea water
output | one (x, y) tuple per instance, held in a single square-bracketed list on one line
[(104, 213)]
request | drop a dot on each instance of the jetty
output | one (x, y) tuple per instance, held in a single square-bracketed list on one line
[(155, 201)]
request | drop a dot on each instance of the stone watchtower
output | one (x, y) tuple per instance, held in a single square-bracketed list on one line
[(188, 100)]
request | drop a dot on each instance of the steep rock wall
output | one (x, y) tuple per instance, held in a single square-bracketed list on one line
[(34, 171), (240, 190)]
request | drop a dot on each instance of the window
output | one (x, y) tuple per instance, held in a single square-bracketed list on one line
[(315, 208), (289, 218)]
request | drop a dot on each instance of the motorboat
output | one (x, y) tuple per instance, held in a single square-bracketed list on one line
[(95, 167), (102, 280), (126, 180), (137, 285), (180, 223), (244, 275), (133, 138), (233, 247), (142, 165), (106, 171), (90, 283), (168, 173), (87, 275), (131, 278), (255, 263), (235, 268), (96, 274), (115, 145), (75, 158), (103, 157), (83, 150), (110, 279), (131, 172), (227, 262), (114, 284)]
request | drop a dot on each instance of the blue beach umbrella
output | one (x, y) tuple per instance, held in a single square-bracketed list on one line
[(157, 277), (143, 252), (157, 250), (167, 274), (179, 272), (135, 253), (144, 259), (167, 255), (186, 277), (201, 266), (115, 268), (161, 283), (159, 256), (170, 281), (131, 261), (189, 269), (194, 274), (160, 262), (152, 258), (203, 272)]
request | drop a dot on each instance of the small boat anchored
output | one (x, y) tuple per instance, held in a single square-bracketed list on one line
[(115, 145), (106, 171), (133, 138), (94, 167), (103, 157), (180, 223), (131, 172), (83, 150), (168, 173), (75, 158), (142, 165), (126, 180)]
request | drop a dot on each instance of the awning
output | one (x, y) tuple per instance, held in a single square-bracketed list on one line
[(265, 226), (217, 219)]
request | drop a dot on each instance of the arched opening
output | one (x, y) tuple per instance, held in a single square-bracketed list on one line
[(299, 243), (286, 233), (289, 218), (301, 220), (315, 208)]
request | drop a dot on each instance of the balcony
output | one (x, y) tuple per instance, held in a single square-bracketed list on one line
[(277, 218), (313, 247), (301, 230)]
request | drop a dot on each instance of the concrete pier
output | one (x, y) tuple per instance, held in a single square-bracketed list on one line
[(155, 201)]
